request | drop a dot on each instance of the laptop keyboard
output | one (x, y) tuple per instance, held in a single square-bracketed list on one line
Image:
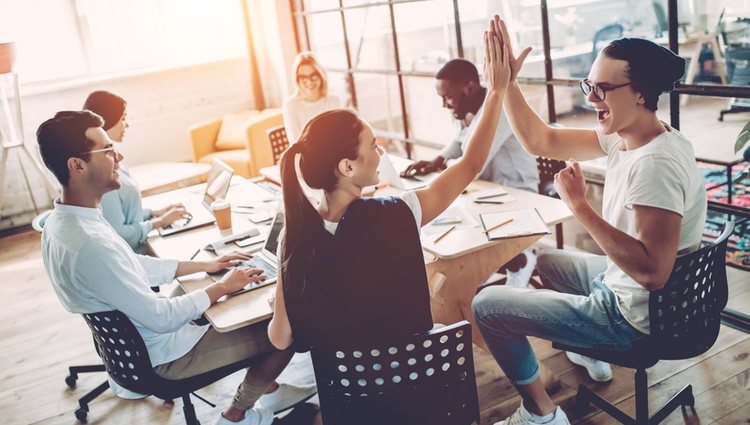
[(257, 263)]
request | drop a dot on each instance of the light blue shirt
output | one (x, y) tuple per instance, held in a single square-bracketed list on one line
[(123, 210), (92, 269), (507, 163)]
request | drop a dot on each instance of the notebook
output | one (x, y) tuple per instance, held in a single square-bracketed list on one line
[(388, 174), (265, 259), (217, 187), (513, 223)]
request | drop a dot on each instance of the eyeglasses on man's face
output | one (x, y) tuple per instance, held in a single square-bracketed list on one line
[(600, 90), (109, 150), (311, 78)]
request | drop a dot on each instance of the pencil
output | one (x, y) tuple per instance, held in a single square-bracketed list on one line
[(489, 202), (442, 235), (498, 225)]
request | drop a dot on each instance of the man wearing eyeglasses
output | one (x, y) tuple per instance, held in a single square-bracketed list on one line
[(457, 84), (92, 269), (654, 208)]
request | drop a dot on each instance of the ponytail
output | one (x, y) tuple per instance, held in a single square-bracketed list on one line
[(326, 139)]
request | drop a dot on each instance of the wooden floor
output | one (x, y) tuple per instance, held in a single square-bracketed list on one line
[(39, 340)]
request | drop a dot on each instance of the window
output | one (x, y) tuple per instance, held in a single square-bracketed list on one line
[(92, 37)]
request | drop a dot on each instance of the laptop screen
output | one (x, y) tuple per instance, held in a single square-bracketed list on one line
[(272, 242), (218, 182)]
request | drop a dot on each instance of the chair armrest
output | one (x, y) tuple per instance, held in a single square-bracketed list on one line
[(258, 143), (203, 136)]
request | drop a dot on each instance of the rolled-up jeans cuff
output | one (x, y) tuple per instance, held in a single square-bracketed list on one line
[(528, 380)]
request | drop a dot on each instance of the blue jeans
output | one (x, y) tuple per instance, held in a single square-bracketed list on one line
[(579, 311)]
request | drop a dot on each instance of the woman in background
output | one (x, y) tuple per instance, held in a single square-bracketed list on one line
[(122, 208), (310, 96)]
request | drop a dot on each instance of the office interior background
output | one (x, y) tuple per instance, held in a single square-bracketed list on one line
[(181, 62)]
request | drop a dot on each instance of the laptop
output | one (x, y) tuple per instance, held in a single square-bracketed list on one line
[(217, 187), (388, 174), (265, 259)]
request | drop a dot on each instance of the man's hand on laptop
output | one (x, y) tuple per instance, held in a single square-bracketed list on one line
[(238, 277), (233, 281), (225, 262), (421, 168)]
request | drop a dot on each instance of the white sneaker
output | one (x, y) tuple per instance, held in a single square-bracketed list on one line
[(598, 370), (523, 417), (287, 396), (521, 277), (254, 416)]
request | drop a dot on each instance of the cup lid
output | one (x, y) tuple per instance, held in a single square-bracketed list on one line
[(219, 204)]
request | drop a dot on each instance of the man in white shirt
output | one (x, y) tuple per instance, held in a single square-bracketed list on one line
[(93, 269)]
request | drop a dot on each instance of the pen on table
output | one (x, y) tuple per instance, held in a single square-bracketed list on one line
[(498, 225), (442, 235), (489, 202), (492, 196)]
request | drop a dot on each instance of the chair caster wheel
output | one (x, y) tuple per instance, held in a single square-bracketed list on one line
[(71, 381), (81, 415)]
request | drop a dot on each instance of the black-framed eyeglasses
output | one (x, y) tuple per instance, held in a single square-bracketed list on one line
[(109, 149), (600, 91), (314, 78)]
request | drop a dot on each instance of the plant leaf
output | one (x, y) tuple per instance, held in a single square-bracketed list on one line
[(742, 138)]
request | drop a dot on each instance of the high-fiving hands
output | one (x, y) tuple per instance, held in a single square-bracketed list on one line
[(497, 69), (514, 62)]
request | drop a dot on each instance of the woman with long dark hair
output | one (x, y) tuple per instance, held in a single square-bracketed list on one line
[(352, 267)]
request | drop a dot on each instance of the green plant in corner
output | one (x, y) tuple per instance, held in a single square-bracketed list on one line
[(742, 138)]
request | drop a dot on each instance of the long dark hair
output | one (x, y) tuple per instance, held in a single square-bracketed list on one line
[(325, 141)]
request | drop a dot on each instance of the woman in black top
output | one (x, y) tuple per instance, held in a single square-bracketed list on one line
[(352, 266)]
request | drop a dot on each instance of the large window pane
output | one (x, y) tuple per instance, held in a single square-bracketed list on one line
[(327, 39), (320, 4), (370, 38), (338, 85), (424, 39), (55, 52), (379, 102), (428, 120)]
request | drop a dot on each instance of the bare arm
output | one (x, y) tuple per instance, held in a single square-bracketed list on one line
[(280, 330), (534, 134), (450, 183), (648, 257)]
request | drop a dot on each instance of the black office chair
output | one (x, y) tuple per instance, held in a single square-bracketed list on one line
[(548, 167), (738, 71), (662, 23), (279, 141), (126, 359), (604, 35), (427, 379), (685, 316)]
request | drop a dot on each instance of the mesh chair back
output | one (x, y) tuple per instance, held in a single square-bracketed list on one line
[(279, 141), (122, 350), (738, 65), (547, 168), (428, 378), (685, 314)]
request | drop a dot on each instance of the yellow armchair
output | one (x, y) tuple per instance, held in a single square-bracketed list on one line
[(240, 140)]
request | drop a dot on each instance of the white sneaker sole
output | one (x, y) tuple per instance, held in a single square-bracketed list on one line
[(575, 361)]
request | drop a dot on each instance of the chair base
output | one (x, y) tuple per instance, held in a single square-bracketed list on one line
[(83, 402), (682, 398)]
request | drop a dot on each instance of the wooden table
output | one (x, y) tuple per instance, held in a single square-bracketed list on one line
[(158, 177), (456, 266), (228, 313)]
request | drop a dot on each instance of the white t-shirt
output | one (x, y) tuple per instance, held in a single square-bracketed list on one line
[(297, 112), (661, 174)]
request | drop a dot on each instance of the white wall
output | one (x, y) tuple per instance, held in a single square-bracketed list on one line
[(161, 106)]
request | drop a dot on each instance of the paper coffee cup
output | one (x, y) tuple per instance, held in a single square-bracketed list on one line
[(222, 210)]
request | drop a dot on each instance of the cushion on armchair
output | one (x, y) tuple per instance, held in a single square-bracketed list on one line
[(233, 129)]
